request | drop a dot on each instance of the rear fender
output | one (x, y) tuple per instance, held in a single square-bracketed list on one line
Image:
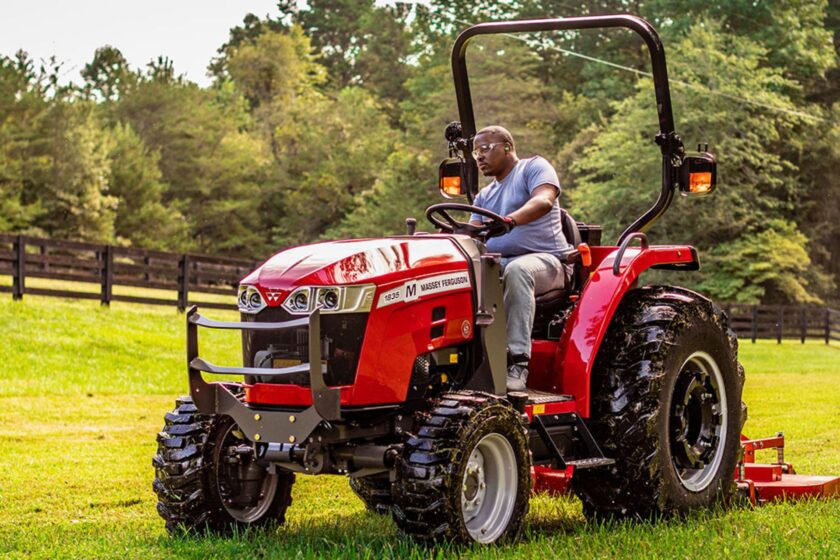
[(587, 325)]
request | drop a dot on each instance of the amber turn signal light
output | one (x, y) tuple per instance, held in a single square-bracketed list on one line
[(451, 185), (700, 183)]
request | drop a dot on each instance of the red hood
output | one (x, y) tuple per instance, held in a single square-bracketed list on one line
[(357, 261)]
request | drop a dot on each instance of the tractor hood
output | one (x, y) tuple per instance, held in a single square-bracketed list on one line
[(358, 261)]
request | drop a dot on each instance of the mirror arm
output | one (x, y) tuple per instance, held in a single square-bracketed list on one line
[(666, 195)]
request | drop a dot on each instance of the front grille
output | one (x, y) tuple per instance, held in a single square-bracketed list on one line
[(341, 344)]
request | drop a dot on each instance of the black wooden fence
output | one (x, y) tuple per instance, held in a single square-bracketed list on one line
[(23, 257), (784, 322), (188, 275)]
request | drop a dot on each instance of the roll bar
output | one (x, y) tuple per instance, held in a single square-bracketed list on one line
[(669, 142)]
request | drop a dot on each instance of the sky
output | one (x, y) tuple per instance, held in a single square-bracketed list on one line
[(187, 31)]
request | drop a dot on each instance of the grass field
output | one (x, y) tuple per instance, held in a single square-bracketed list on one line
[(84, 390)]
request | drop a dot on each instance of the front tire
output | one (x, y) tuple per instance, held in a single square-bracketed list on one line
[(206, 478), (465, 475), (666, 405)]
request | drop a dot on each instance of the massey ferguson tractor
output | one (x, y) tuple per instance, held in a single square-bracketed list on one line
[(385, 360)]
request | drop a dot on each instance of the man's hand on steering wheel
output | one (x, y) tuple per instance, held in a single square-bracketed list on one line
[(495, 229), (440, 217)]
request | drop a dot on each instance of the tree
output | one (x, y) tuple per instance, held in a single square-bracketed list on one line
[(359, 43), (504, 91), (273, 67), (563, 59), (405, 187), (251, 28), (792, 32), (271, 71), (212, 168), (22, 106), (135, 180), (108, 74), (757, 184), (326, 149), (771, 265), (162, 70), (818, 205), (68, 166), (326, 166)]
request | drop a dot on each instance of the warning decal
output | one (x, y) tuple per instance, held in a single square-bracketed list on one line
[(414, 289)]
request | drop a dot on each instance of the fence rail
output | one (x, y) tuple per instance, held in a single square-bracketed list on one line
[(189, 275), (23, 257), (784, 321)]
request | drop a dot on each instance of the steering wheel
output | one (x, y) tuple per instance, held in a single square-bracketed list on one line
[(439, 215)]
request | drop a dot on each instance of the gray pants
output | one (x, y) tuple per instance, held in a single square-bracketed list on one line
[(525, 276)]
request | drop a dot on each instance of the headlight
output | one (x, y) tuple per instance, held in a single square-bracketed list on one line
[(250, 300), (298, 301), (330, 299)]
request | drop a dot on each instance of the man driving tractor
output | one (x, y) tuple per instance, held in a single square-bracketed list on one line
[(525, 192)]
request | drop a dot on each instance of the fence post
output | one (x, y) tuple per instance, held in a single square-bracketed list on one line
[(780, 324), (827, 325), (106, 272), (754, 321), (803, 327), (183, 282), (19, 278)]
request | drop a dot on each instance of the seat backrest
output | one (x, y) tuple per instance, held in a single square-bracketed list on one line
[(570, 229), (549, 303), (572, 234)]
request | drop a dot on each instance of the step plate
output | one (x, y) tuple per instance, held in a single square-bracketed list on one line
[(543, 397), (591, 462)]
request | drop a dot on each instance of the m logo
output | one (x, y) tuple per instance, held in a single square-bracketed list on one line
[(411, 291)]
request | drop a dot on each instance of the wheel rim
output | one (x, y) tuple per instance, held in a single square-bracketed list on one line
[(489, 488), (237, 473), (698, 425)]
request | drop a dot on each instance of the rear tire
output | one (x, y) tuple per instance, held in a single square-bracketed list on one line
[(465, 475), (374, 491), (666, 405), (201, 481)]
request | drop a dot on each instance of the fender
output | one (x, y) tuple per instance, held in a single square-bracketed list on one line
[(587, 325)]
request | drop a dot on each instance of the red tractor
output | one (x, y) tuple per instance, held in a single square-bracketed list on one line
[(384, 359)]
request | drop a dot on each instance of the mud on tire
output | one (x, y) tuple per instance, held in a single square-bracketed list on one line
[(666, 405), (197, 488), (465, 474)]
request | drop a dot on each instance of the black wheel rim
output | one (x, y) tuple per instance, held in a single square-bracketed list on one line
[(697, 421)]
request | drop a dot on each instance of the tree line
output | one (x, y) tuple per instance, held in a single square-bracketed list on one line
[(326, 122)]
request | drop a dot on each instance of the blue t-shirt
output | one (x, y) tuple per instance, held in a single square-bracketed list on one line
[(543, 235)]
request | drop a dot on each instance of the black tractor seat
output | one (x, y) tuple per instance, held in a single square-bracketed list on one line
[(551, 303)]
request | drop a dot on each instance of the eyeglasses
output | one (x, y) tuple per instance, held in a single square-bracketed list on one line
[(482, 149)]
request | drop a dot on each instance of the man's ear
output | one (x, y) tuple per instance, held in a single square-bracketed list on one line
[(507, 148)]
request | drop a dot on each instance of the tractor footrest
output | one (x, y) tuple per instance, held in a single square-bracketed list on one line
[(591, 463), (543, 397)]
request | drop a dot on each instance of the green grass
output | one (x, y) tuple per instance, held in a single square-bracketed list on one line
[(84, 390)]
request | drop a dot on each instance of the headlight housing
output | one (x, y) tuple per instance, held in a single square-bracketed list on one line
[(330, 299), (249, 299)]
